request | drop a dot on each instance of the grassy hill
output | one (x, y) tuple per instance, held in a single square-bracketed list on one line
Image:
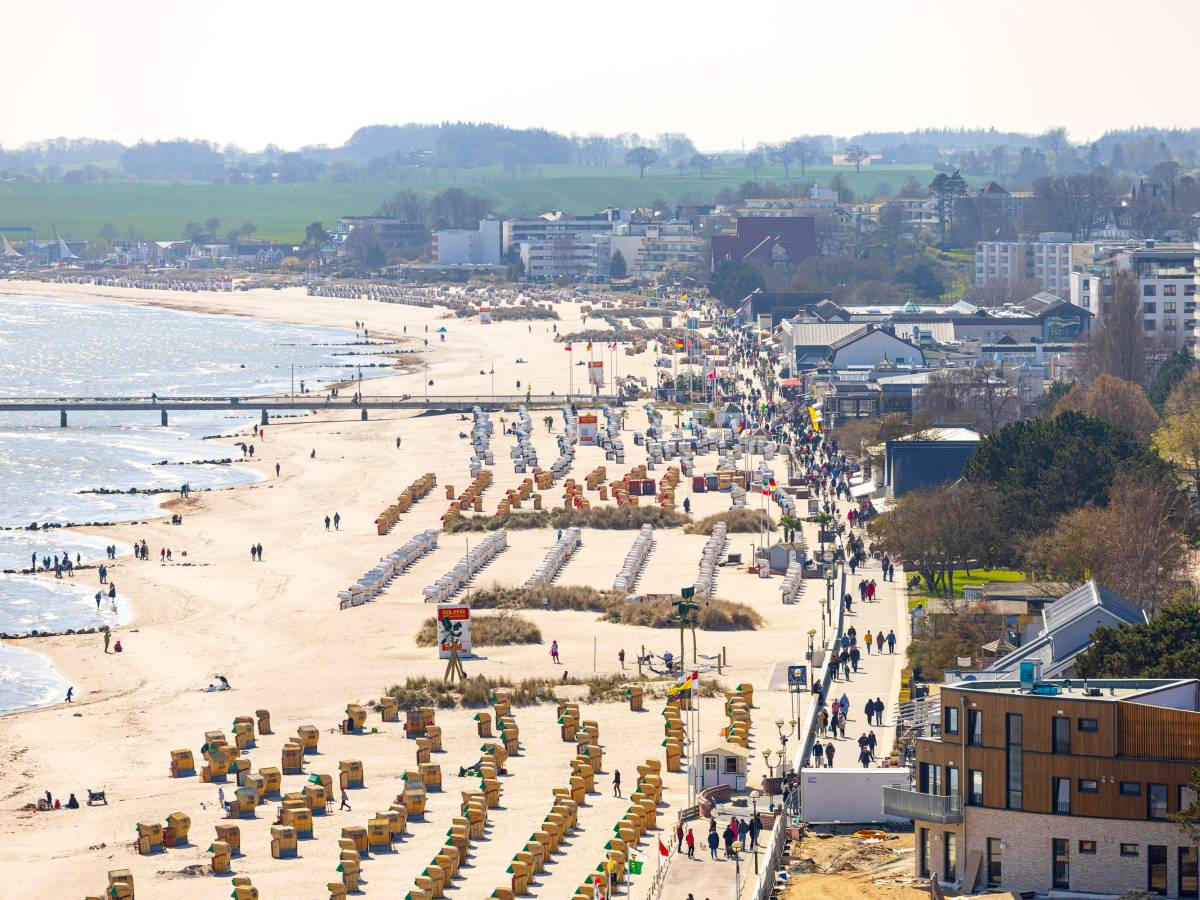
[(159, 210)]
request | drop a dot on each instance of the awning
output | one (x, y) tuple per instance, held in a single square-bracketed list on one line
[(791, 382), (863, 490)]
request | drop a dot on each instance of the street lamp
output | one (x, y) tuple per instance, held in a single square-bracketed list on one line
[(824, 603), (737, 868), (766, 755)]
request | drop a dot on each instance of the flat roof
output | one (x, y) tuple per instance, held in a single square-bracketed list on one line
[(1111, 689)]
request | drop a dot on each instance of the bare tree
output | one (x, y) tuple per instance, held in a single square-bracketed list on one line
[(856, 153), (972, 395), (1120, 402), (642, 157), (1117, 343)]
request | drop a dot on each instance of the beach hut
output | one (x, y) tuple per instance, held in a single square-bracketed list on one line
[(724, 763)]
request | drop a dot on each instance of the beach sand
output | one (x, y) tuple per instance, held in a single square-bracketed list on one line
[(275, 630)]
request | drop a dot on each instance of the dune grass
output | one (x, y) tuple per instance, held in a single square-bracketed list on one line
[(500, 630), (477, 692), (613, 606), (736, 520)]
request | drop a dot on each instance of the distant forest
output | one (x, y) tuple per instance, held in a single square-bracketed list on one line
[(388, 153)]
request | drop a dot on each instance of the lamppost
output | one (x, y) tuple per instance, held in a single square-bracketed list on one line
[(754, 795), (784, 735), (737, 869), (824, 603), (766, 755)]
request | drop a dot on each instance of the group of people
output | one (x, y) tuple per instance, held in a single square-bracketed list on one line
[(336, 521), (256, 551), (745, 830), (59, 565)]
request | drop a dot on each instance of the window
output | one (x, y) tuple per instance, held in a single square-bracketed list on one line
[(1169, 307), (1156, 868), (731, 765), (1062, 734), (1187, 796), (974, 727), (1156, 802), (1131, 789), (1088, 786), (1129, 850), (949, 872), (923, 852), (975, 787), (930, 778), (1088, 725), (1061, 849), (1013, 761), (952, 781), (1061, 796), (1168, 290), (1187, 872), (710, 764), (1149, 307), (951, 720), (1087, 847), (993, 862), (1149, 290), (1149, 325)]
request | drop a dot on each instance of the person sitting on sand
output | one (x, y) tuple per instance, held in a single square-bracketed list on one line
[(72, 803)]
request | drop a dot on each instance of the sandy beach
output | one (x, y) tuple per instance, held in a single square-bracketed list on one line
[(275, 630)]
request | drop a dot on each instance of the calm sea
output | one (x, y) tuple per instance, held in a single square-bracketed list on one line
[(51, 348)]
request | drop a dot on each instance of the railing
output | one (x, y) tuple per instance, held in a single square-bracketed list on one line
[(936, 808), (792, 804)]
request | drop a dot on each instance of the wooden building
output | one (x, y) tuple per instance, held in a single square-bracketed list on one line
[(1067, 785)]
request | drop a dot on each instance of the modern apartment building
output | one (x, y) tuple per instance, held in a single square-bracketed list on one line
[(1063, 785), (1046, 261), (463, 246), (671, 246), (577, 256), (394, 234), (1166, 275), (556, 224)]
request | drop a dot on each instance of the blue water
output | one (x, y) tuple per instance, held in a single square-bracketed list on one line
[(51, 348)]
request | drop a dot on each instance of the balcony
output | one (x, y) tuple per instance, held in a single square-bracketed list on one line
[(935, 808)]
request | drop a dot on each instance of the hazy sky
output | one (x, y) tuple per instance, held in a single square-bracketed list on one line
[(301, 72)]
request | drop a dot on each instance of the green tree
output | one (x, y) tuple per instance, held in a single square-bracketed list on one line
[(617, 267), (1168, 646), (375, 258), (642, 157), (1169, 374), (734, 281), (1043, 468), (212, 225), (192, 231), (315, 234)]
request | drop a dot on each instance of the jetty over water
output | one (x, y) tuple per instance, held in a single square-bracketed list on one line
[(291, 403)]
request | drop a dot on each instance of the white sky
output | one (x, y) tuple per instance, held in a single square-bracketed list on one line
[(298, 72)]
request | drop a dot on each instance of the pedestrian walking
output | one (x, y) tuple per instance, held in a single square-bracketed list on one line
[(621, 657), (616, 782), (867, 639), (818, 754), (554, 651), (327, 521), (713, 843), (337, 521), (345, 801), (829, 750), (678, 837), (691, 844), (865, 758), (872, 743), (70, 694), (879, 712), (891, 641)]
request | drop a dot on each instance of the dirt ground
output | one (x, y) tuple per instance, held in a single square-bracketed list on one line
[(842, 867)]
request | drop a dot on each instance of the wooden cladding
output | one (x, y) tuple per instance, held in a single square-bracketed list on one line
[(1157, 732), (1037, 714)]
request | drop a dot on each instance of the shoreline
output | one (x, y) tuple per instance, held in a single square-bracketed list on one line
[(165, 498)]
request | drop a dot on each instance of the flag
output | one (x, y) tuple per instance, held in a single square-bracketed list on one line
[(680, 343), (711, 375), (568, 348), (612, 345), (685, 685), (662, 848), (773, 485), (589, 346)]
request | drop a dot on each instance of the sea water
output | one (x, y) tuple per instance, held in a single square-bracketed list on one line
[(54, 348)]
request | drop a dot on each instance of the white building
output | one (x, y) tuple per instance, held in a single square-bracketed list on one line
[(577, 256), (670, 246), (462, 246), (556, 224), (1046, 261), (1166, 279)]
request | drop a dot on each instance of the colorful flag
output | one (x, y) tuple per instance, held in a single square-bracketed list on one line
[(662, 848), (680, 343), (589, 346), (568, 348), (711, 375)]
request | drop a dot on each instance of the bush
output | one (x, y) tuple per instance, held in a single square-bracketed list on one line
[(736, 520), (488, 631), (613, 606), (522, 313), (606, 517)]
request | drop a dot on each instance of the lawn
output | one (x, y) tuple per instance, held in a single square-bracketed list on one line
[(159, 210), (976, 578)]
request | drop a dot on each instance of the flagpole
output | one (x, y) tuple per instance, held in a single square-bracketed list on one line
[(570, 372)]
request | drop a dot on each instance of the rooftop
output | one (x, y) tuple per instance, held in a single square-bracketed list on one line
[(1099, 689)]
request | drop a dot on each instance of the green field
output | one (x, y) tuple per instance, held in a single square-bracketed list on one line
[(159, 210), (977, 578)]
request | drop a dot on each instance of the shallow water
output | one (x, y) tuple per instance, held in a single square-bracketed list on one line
[(52, 348)]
